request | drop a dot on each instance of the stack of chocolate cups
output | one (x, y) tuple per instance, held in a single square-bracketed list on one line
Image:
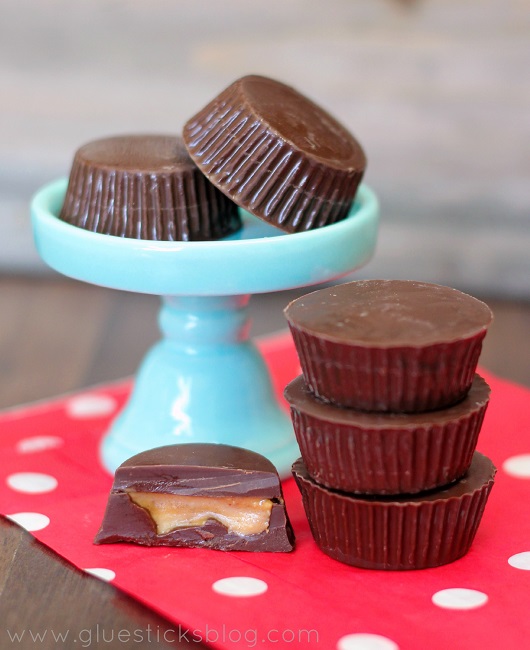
[(387, 414)]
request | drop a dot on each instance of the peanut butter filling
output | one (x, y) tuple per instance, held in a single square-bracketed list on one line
[(241, 515)]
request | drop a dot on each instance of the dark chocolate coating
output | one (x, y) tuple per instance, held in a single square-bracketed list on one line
[(299, 396), (389, 313), (398, 533), (386, 453), (145, 187), (277, 154), (199, 469), (389, 345), (196, 469)]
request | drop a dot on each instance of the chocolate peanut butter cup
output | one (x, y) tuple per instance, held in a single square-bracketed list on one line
[(389, 345), (145, 187), (386, 453), (277, 154), (398, 533), (198, 495)]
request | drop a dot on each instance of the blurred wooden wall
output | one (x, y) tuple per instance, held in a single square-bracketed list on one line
[(437, 91)]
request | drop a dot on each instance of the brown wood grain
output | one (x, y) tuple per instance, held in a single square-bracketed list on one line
[(42, 594)]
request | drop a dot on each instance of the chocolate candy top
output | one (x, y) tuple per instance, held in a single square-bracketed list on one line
[(299, 396), (481, 472), (389, 313), (277, 154), (199, 469), (298, 120), (136, 153), (145, 187)]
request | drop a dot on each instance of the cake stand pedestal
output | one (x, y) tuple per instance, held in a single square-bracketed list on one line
[(205, 381)]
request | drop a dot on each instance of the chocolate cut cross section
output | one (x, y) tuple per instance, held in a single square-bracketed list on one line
[(198, 495)]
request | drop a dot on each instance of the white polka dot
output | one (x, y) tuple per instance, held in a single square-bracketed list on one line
[(31, 482), (366, 642), (520, 561), (38, 443), (459, 598), (30, 520), (240, 586), (90, 406), (517, 466), (103, 574)]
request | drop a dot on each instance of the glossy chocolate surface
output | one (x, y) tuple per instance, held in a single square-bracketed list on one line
[(136, 153), (145, 187), (195, 470), (199, 469), (277, 154), (300, 397), (398, 533), (390, 453), (389, 313), (298, 120), (481, 472)]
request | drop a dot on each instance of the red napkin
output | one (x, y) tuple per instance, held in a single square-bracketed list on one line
[(52, 483)]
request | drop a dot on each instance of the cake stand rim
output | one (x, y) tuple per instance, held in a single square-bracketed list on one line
[(315, 256)]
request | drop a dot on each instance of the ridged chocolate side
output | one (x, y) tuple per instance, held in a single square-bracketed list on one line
[(389, 455), (263, 172), (388, 379), (178, 204), (385, 534)]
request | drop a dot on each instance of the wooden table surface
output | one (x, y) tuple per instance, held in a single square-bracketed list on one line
[(57, 336)]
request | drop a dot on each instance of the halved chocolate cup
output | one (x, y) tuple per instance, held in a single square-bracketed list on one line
[(389, 345), (198, 495), (398, 533), (386, 453)]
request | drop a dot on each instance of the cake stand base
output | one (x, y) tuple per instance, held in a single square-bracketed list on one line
[(204, 381)]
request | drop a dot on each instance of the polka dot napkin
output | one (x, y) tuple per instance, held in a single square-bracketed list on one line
[(52, 485)]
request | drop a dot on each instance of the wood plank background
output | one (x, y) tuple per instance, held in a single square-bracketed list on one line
[(42, 594), (437, 91)]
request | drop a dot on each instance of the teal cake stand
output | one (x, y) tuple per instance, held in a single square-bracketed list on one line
[(204, 381)]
